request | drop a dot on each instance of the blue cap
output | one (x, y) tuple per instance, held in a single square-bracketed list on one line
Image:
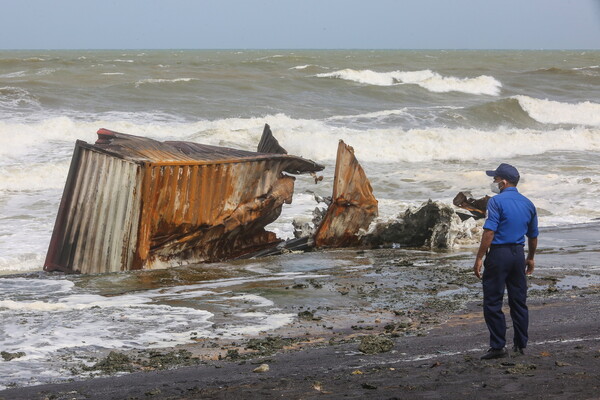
[(506, 171)]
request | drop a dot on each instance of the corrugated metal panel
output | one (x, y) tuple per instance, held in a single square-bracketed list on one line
[(99, 216), (207, 211), (120, 210), (142, 149)]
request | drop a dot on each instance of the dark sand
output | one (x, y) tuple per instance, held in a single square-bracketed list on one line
[(561, 362), (428, 305)]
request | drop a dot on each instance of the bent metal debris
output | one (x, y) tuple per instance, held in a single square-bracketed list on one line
[(131, 202)]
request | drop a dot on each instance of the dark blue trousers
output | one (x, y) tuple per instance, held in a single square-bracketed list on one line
[(504, 266)]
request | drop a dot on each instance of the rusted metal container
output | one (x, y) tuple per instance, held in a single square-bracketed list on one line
[(135, 203)]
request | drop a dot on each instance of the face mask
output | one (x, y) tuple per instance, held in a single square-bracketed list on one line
[(495, 186)]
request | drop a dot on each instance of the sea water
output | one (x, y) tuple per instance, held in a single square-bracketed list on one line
[(424, 125)]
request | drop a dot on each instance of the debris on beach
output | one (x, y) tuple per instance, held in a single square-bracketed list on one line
[(269, 345), (136, 203), (353, 205), (261, 368), (373, 344), (8, 356), (133, 203), (476, 207), (428, 226), (112, 363)]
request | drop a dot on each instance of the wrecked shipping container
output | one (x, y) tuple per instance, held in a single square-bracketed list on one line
[(135, 203)]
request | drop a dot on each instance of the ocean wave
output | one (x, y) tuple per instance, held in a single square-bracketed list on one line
[(310, 138), (371, 115), (584, 68), (13, 98), (158, 80), (422, 145), (16, 74), (36, 176), (426, 79), (308, 67), (576, 71), (554, 112), (302, 66)]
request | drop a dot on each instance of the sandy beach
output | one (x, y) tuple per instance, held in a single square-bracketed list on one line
[(406, 325), (562, 362)]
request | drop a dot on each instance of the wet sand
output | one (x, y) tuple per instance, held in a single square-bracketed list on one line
[(422, 311), (562, 361)]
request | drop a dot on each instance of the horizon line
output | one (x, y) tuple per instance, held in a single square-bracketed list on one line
[(295, 49)]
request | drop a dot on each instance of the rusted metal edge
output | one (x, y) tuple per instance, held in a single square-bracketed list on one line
[(62, 214), (296, 164), (268, 143), (353, 204), (260, 157)]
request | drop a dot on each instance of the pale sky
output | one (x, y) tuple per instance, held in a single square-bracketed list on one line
[(300, 24)]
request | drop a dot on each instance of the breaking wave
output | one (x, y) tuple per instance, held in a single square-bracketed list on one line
[(315, 139), (308, 67), (554, 112), (17, 74), (426, 79), (592, 70), (14, 97), (155, 81)]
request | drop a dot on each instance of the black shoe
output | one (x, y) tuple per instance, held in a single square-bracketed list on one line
[(518, 350), (495, 353)]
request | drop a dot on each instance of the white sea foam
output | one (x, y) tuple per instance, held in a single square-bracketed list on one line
[(46, 319), (31, 288), (584, 68), (258, 301), (554, 112), (35, 176), (308, 66), (419, 145), (426, 79), (260, 323), (371, 115), (158, 80), (112, 73), (16, 74), (45, 71), (314, 139), (302, 66)]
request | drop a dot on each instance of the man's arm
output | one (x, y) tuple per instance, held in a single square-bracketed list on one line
[(486, 241), (532, 246)]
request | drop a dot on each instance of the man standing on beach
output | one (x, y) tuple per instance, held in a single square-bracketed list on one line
[(510, 216)]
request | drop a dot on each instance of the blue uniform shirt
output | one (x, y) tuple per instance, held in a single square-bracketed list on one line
[(511, 216)]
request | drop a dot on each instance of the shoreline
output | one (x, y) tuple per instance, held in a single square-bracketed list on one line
[(402, 296), (562, 361)]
